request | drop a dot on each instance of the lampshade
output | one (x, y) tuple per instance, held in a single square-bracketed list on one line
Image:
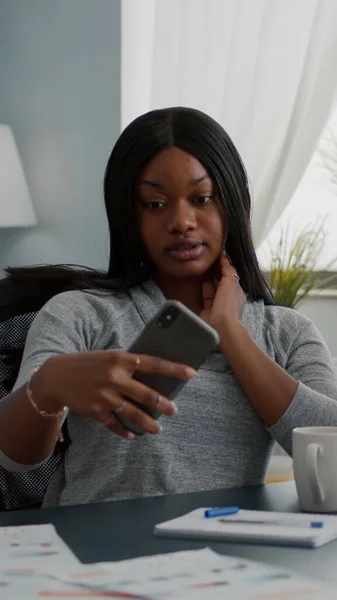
[(16, 209)]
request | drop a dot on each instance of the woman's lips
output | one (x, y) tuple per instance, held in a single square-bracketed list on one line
[(185, 254)]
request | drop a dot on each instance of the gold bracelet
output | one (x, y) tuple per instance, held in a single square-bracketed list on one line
[(43, 412)]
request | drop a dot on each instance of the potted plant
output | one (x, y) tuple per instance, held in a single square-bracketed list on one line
[(294, 265)]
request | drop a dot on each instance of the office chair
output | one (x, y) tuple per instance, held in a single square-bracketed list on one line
[(22, 294)]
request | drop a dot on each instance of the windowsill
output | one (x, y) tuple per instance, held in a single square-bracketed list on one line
[(323, 294)]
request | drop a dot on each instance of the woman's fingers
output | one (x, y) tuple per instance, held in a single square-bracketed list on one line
[(126, 410), (227, 269), (143, 363), (114, 425), (226, 265), (120, 386), (142, 394), (208, 294), (140, 418)]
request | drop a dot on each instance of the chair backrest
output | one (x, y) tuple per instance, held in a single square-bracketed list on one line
[(20, 299), (17, 311)]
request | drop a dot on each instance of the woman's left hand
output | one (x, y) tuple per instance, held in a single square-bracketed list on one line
[(223, 303)]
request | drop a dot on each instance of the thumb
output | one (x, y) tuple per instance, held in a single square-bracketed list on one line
[(208, 294)]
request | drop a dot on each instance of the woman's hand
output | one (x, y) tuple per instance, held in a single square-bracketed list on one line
[(97, 384), (223, 302), (268, 387)]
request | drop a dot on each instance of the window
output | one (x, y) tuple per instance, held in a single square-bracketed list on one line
[(314, 198)]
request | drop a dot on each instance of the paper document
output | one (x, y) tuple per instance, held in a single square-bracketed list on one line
[(191, 575), (26, 553), (33, 546)]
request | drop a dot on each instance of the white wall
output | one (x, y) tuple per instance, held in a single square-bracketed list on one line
[(60, 93), (323, 312)]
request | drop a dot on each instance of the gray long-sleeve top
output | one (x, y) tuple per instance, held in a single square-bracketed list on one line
[(216, 440)]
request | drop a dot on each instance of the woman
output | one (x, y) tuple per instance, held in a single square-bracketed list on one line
[(176, 196)]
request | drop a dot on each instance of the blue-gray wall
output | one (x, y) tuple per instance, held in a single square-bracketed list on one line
[(60, 93)]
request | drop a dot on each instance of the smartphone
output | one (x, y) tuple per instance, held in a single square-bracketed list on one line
[(176, 334)]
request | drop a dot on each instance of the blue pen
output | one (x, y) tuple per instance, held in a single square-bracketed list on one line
[(211, 513)]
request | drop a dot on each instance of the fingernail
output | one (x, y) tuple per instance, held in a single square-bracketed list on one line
[(159, 428), (174, 408), (190, 372), (131, 436)]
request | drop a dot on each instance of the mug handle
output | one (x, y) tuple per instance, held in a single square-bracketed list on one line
[(314, 451)]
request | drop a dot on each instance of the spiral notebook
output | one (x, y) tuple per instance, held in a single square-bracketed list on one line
[(254, 526)]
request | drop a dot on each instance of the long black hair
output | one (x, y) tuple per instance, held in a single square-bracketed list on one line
[(201, 136)]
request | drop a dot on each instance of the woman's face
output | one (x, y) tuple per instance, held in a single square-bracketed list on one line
[(179, 216)]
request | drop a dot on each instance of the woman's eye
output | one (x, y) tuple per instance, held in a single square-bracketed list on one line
[(203, 199), (153, 205)]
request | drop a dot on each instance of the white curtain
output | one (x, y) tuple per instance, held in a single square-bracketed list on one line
[(265, 69)]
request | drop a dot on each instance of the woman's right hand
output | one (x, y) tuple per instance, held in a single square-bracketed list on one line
[(97, 383)]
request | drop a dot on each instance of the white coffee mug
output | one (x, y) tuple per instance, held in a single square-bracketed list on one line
[(315, 468)]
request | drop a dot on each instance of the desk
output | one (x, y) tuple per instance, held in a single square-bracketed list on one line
[(124, 529)]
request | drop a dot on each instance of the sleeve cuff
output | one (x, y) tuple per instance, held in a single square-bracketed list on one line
[(14, 467)]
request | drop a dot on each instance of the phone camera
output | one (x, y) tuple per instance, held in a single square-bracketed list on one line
[(167, 318)]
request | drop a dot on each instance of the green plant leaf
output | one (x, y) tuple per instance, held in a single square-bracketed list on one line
[(292, 274)]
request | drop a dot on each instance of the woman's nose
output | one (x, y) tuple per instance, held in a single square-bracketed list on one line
[(182, 218)]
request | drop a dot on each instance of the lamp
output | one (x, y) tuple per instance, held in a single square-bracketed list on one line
[(16, 208)]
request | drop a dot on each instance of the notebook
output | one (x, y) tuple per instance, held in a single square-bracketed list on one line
[(257, 527)]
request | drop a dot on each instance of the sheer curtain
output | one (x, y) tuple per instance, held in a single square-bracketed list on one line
[(265, 69)]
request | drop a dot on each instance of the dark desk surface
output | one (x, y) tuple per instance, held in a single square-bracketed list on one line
[(124, 529)]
